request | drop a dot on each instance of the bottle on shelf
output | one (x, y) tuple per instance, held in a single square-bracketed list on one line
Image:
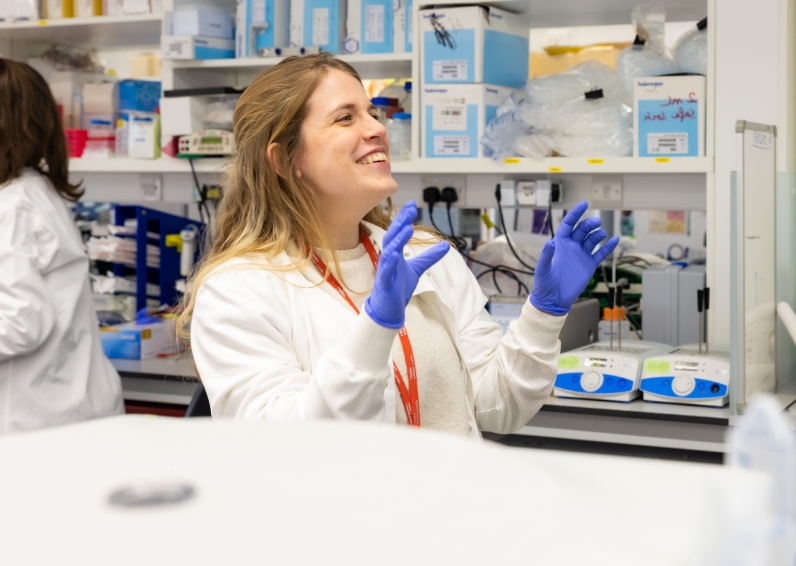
[(399, 130)]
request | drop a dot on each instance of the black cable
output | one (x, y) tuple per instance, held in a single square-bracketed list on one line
[(202, 201), (459, 242), (550, 219), (503, 225)]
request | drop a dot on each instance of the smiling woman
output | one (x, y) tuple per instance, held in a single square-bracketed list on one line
[(305, 308)]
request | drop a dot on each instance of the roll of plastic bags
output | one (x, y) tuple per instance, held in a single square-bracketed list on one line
[(647, 56), (691, 50)]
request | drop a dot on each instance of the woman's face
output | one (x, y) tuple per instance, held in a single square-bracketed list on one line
[(345, 154)]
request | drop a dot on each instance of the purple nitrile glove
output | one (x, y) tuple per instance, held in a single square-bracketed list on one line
[(397, 277), (567, 263)]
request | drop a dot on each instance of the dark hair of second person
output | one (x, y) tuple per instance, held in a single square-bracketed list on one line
[(31, 133)]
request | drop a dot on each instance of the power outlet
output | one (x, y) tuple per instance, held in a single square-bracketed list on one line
[(606, 192), (526, 193), (150, 187), (458, 182)]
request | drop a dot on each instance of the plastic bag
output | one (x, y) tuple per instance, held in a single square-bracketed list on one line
[(691, 50), (647, 56), (583, 111)]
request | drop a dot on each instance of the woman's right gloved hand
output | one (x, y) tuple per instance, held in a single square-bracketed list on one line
[(397, 277)]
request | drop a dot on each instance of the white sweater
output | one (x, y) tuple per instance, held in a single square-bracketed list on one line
[(441, 379)]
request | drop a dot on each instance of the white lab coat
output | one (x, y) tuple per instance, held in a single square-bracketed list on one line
[(52, 369), (275, 345)]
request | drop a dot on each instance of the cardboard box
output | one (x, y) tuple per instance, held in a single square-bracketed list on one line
[(54, 9), (131, 341), (669, 116), (474, 44), (318, 23), (261, 24), (454, 117), (402, 27), (181, 115), (207, 21), (138, 95), (88, 8), (190, 47), (369, 26)]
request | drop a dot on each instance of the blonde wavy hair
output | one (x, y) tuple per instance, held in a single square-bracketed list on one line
[(261, 211)]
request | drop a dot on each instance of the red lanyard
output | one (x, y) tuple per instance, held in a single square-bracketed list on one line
[(409, 396)]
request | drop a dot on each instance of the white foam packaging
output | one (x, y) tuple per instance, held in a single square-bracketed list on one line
[(454, 117)]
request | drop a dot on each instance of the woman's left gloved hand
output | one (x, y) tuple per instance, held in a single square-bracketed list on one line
[(567, 263)]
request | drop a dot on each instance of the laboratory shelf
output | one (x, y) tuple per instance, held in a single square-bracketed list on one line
[(133, 165), (640, 409), (556, 165), (552, 165), (99, 31), (381, 65), (572, 13)]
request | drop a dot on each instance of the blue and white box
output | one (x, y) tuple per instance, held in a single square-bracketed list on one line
[(131, 341), (474, 44), (669, 116), (201, 20), (454, 117), (261, 25), (369, 26), (191, 47), (402, 26), (318, 23)]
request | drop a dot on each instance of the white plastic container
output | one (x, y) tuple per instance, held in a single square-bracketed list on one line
[(763, 440), (399, 130)]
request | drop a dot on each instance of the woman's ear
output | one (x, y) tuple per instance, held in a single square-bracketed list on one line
[(274, 153)]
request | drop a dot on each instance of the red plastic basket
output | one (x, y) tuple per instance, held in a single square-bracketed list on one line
[(76, 141)]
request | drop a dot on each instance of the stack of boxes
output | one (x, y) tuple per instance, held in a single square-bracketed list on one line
[(472, 59), (198, 32)]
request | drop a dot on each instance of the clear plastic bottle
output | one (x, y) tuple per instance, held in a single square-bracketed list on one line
[(399, 130), (762, 440)]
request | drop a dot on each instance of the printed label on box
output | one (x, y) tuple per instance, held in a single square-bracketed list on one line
[(258, 12), (374, 30), (320, 26), (450, 70), (667, 143), (450, 116), (451, 145)]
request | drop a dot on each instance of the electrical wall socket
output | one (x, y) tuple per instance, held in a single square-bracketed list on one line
[(606, 192), (150, 187), (458, 182), (526, 193)]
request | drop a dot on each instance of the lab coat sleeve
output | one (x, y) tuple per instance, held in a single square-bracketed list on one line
[(27, 315), (241, 339), (511, 375)]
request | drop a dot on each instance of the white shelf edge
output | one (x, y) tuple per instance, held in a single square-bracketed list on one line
[(262, 62), (133, 165), (80, 22), (474, 166), (556, 165)]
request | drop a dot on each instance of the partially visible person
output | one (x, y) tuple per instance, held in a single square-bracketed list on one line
[(52, 368)]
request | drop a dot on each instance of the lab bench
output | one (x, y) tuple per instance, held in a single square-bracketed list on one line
[(638, 423), (170, 381)]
